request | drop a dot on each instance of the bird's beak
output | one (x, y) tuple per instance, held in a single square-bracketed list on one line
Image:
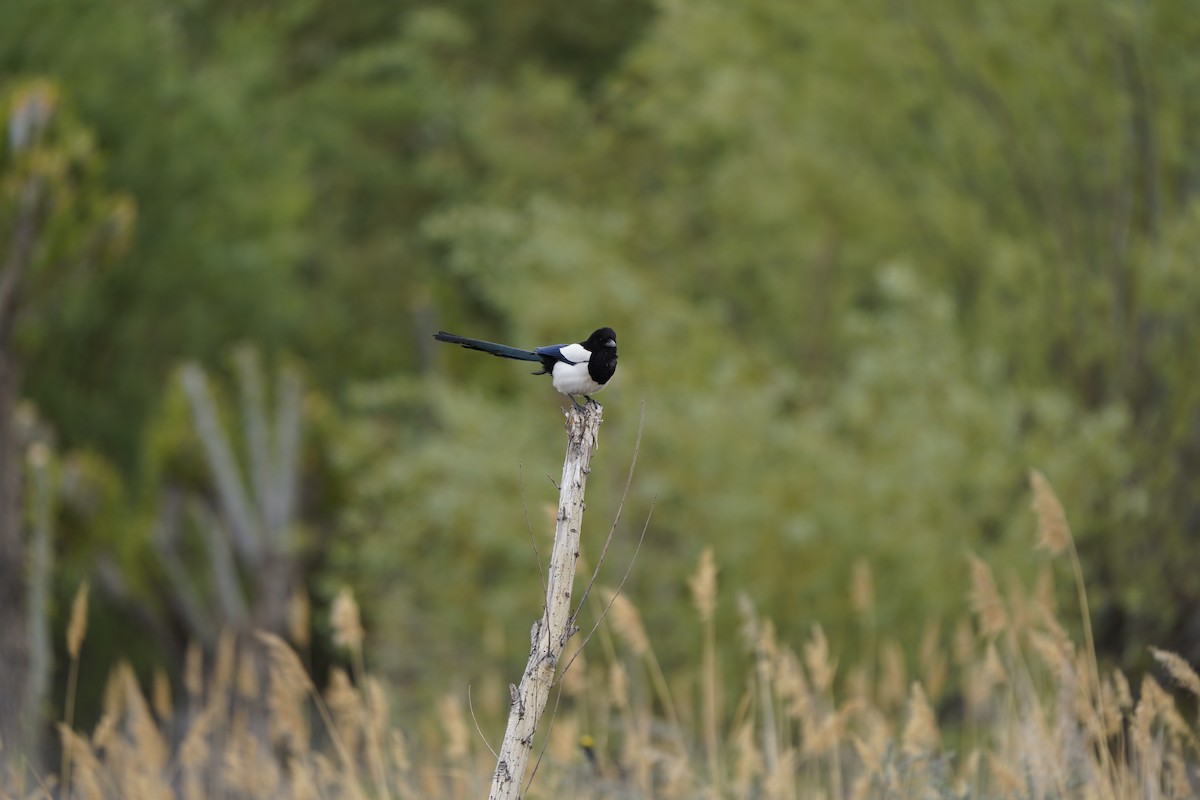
[(611, 343)]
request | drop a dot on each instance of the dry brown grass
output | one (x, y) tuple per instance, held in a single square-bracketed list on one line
[(1034, 716)]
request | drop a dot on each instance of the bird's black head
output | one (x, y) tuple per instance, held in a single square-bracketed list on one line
[(601, 339), (602, 344)]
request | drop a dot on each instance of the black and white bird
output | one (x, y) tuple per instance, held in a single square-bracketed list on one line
[(579, 369)]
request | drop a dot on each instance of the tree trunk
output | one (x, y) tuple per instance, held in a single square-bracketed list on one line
[(551, 633), (14, 584), (14, 633)]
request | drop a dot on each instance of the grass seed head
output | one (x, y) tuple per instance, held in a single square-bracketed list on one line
[(247, 675), (161, 694), (400, 757), (1121, 686), (1006, 780), (985, 599), (377, 707), (223, 665), (893, 681), (920, 732), (1177, 775), (87, 776), (1043, 591), (627, 622), (1179, 669), (299, 617), (968, 774), (823, 735), (194, 752), (77, 627), (152, 747), (346, 705), (1054, 535), (993, 667), (1150, 704), (345, 620), (454, 723), (704, 585), (816, 657), (749, 763), (862, 587), (104, 733), (791, 684), (749, 626), (289, 687), (300, 781), (962, 644), (1111, 718)]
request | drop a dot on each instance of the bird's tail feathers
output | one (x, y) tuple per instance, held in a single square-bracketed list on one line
[(501, 350)]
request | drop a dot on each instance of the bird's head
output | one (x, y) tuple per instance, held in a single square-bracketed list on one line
[(601, 337)]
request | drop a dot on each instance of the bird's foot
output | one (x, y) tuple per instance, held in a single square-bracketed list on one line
[(591, 402)]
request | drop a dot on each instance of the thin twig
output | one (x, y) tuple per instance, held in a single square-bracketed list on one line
[(620, 586), (471, 708), (637, 446), (571, 660)]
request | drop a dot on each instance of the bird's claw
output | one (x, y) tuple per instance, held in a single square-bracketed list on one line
[(584, 406)]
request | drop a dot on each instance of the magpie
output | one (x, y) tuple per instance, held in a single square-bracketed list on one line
[(582, 368)]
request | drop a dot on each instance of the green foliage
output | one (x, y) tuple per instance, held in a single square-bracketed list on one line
[(911, 461), (868, 266), (431, 524), (770, 158), (195, 132), (52, 193)]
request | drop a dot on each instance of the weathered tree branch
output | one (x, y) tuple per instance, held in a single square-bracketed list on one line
[(14, 578), (551, 633), (41, 568), (285, 466), (232, 494), (254, 417), (184, 596), (28, 228), (252, 532), (231, 599)]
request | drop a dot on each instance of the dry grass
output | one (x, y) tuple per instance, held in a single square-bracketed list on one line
[(1031, 715)]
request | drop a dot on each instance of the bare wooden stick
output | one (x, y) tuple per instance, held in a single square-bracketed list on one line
[(549, 634)]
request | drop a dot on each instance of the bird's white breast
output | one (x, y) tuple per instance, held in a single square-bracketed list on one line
[(573, 379)]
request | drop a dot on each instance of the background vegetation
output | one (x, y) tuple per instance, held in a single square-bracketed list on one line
[(869, 262)]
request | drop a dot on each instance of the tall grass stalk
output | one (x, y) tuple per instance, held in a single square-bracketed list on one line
[(1054, 536), (704, 596), (346, 623), (76, 632)]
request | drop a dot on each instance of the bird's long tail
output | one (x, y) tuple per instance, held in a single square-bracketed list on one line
[(501, 350)]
